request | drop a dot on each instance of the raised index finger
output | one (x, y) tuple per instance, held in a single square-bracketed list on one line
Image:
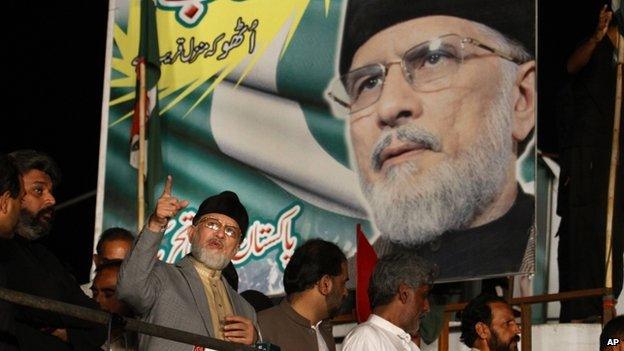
[(168, 186)]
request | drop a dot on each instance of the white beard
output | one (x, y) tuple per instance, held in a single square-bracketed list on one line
[(413, 209), (213, 260)]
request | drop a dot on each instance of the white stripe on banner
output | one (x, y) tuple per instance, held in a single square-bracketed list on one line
[(270, 133)]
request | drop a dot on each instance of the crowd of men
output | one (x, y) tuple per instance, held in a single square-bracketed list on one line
[(194, 296)]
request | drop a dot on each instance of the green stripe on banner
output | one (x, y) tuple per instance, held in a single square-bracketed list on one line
[(312, 50)]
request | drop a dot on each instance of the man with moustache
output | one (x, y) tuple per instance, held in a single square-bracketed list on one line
[(191, 295), (33, 269), (440, 94), (314, 281), (41, 176), (488, 324), (398, 294), (11, 194), (115, 244)]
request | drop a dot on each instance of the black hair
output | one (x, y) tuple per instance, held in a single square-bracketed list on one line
[(9, 176), (310, 262), (27, 160), (477, 310), (614, 329), (115, 233), (109, 264)]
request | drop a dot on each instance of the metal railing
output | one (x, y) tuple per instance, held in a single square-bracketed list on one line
[(130, 324), (525, 312)]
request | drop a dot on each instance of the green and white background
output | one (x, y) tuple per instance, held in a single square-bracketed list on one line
[(242, 112)]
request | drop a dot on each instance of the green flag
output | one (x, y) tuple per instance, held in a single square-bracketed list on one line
[(148, 54)]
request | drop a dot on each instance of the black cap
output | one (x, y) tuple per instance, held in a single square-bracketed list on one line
[(226, 203), (364, 18)]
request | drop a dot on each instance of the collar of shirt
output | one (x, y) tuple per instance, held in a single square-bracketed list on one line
[(385, 325), (296, 317), (304, 322), (322, 345), (204, 271)]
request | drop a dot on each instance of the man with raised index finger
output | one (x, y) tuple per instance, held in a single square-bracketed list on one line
[(192, 294)]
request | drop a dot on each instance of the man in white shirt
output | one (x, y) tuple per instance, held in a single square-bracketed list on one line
[(398, 293)]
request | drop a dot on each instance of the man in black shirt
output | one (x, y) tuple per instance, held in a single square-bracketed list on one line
[(33, 269), (585, 115)]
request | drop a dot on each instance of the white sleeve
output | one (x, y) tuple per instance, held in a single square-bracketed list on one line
[(362, 338)]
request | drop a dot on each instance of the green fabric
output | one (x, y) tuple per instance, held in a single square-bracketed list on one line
[(148, 50), (431, 324)]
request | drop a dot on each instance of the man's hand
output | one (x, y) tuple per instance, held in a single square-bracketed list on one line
[(580, 57), (603, 24), (166, 208), (239, 329), (61, 334)]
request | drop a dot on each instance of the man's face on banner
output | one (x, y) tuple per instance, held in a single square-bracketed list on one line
[(432, 161)]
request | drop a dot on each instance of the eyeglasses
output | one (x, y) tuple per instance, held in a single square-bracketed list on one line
[(215, 225), (427, 67)]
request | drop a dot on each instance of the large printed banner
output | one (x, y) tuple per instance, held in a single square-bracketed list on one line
[(244, 107)]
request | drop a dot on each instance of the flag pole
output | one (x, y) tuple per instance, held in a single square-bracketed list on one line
[(142, 147), (609, 300)]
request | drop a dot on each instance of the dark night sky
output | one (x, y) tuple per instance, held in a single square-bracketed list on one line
[(55, 66)]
